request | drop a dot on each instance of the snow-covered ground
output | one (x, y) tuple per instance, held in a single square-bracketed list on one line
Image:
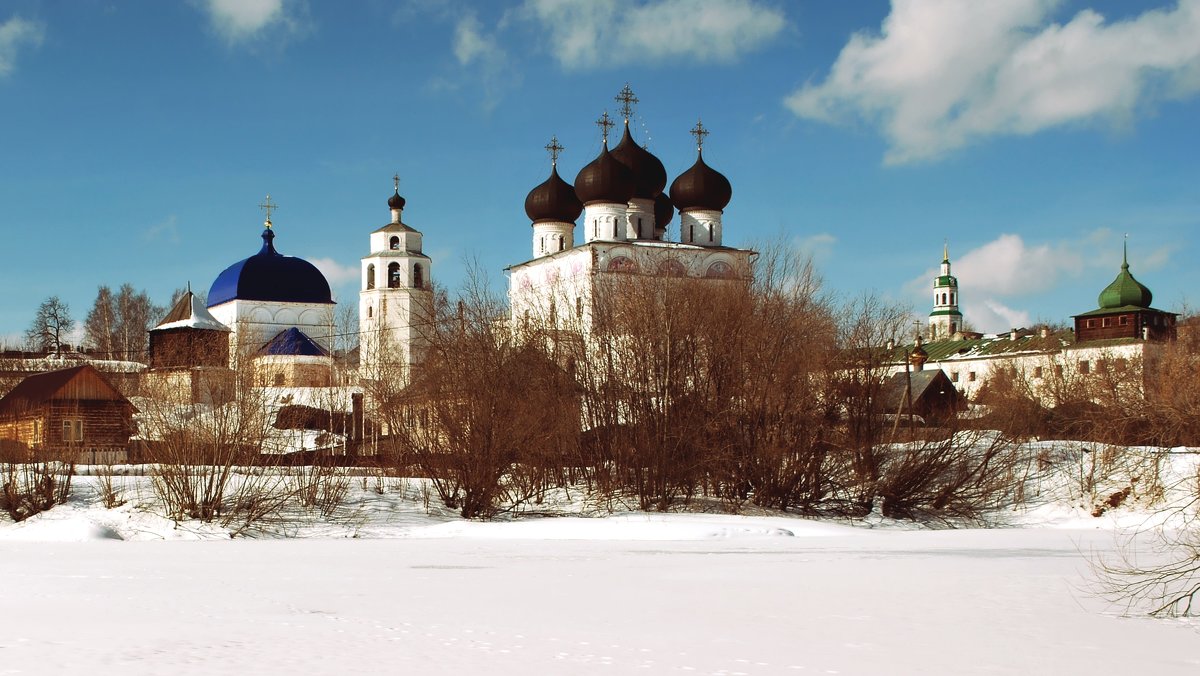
[(389, 586)]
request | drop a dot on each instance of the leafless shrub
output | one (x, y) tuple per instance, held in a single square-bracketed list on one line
[(33, 486), (321, 486), (111, 492)]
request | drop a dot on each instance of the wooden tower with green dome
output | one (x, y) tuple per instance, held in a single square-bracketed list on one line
[(1125, 312)]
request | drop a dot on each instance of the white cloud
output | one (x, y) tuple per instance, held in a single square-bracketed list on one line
[(591, 33), (240, 20), (819, 246), (335, 273), (165, 230), (942, 74), (15, 33), (481, 54), (992, 316)]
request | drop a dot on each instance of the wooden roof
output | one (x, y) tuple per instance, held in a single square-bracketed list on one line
[(78, 383)]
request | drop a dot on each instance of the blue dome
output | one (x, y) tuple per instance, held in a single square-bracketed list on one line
[(269, 275)]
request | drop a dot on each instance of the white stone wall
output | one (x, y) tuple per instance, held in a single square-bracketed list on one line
[(605, 222), (701, 227), (254, 322)]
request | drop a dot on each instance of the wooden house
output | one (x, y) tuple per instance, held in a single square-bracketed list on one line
[(74, 414), (932, 395)]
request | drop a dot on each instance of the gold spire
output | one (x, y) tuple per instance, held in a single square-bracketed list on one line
[(268, 207), (945, 251)]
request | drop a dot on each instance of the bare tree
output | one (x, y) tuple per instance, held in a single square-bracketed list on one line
[(51, 325)]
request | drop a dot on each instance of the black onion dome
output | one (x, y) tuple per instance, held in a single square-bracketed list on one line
[(553, 201), (649, 175), (604, 180), (701, 187), (396, 201), (663, 211)]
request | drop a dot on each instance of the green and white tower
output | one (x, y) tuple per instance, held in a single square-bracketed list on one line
[(945, 320)]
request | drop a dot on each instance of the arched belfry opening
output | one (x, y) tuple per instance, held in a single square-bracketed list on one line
[(393, 275)]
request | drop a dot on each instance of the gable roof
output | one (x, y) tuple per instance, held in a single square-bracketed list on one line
[(190, 313), (891, 395), (40, 388), (292, 343)]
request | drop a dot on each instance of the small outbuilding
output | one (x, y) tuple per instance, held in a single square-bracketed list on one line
[(933, 395), (74, 415)]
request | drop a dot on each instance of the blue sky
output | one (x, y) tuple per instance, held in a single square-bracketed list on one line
[(137, 138)]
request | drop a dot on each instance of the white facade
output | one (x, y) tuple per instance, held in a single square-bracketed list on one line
[(606, 222), (254, 322), (701, 227), (395, 307), (559, 290)]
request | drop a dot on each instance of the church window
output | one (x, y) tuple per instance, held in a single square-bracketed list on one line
[(1084, 367), (371, 276), (954, 376), (639, 227), (1107, 321), (1123, 320), (393, 275), (719, 270), (278, 380), (953, 298), (1058, 370), (1037, 372), (953, 327), (370, 312), (692, 232), (394, 243), (562, 244), (418, 277), (711, 227), (1091, 323), (971, 376)]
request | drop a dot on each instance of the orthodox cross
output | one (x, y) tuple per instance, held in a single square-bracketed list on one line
[(605, 123), (396, 182), (699, 132), (267, 206), (627, 100), (554, 148)]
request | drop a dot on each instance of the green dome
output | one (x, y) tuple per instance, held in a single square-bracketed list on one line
[(1125, 291)]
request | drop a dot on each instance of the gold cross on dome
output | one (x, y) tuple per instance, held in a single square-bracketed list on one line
[(699, 132), (268, 207), (554, 148), (605, 123), (627, 100)]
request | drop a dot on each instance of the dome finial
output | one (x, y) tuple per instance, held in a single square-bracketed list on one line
[(396, 182), (554, 148), (627, 100), (605, 123), (268, 207), (946, 251), (699, 132), (1125, 253)]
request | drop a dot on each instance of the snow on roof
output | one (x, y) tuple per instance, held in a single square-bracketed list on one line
[(190, 313)]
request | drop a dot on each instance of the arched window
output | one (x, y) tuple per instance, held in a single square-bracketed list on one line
[(371, 276), (370, 312), (394, 243), (418, 277), (719, 270), (711, 228), (393, 275), (691, 232), (561, 243)]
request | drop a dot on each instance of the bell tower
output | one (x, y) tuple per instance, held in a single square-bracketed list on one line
[(945, 320), (395, 305)]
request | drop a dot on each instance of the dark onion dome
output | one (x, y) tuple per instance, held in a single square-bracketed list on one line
[(604, 180), (396, 201), (1125, 291), (649, 175), (270, 276), (701, 187), (663, 211), (553, 201)]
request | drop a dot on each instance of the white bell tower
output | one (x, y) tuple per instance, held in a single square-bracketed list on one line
[(395, 306), (945, 320)]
